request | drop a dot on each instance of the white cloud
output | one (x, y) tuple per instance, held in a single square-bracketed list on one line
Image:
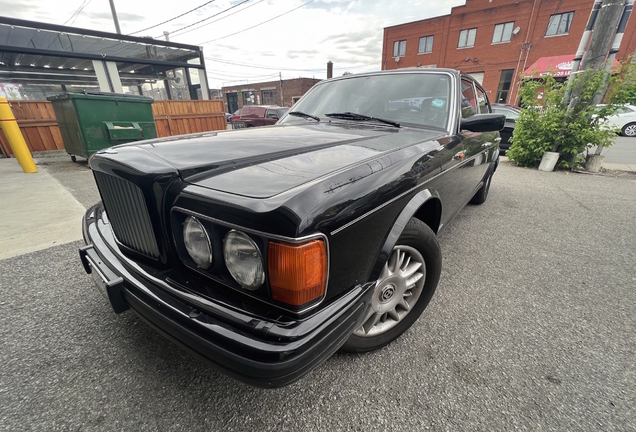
[(300, 43)]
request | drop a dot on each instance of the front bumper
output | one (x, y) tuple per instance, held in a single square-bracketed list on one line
[(260, 351)]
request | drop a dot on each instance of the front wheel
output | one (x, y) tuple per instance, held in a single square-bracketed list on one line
[(629, 130), (403, 290)]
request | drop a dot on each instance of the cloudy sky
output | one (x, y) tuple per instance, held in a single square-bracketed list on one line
[(298, 41)]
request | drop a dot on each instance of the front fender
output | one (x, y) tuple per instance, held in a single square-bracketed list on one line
[(409, 210)]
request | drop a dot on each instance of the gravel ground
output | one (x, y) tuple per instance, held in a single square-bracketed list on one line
[(533, 327)]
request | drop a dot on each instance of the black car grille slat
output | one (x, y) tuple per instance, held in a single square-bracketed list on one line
[(126, 208)]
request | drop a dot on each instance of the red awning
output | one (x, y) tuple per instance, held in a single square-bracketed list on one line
[(558, 66)]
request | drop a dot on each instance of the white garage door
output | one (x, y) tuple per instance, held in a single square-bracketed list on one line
[(479, 77)]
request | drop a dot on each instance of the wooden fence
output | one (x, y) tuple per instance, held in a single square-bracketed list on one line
[(38, 125), (184, 117), (40, 130)]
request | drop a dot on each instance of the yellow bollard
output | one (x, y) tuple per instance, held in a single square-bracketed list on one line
[(16, 140)]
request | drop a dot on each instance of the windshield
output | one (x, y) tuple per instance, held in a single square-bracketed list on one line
[(418, 99)]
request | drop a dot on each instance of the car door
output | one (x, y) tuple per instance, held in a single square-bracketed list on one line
[(624, 115), (477, 145), (271, 117)]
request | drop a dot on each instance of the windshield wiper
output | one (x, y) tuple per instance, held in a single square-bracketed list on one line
[(303, 115), (354, 116)]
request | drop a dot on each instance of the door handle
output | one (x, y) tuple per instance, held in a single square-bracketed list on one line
[(497, 139), (488, 144)]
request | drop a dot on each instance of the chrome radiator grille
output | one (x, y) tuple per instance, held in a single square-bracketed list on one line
[(126, 209)]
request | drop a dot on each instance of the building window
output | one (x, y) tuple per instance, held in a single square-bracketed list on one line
[(269, 97), (559, 24), (249, 98), (426, 45), (503, 32), (399, 48), (504, 85), (467, 38)]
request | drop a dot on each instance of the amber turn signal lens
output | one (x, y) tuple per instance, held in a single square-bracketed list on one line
[(297, 272)]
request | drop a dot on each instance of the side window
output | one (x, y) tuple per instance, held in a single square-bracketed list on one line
[(272, 114), (469, 101), (482, 100)]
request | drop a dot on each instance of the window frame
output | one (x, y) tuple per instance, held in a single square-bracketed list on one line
[(558, 25), (479, 89), (467, 32), (502, 84), (269, 101), (397, 45), (426, 39), (476, 106), (503, 32)]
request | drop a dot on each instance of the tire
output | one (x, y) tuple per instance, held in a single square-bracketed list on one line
[(629, 130), (73, 158), (249, 126), (418, 237), (482, 194)]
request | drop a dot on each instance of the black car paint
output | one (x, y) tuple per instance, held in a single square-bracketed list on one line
[(509, 127), (356, 184)]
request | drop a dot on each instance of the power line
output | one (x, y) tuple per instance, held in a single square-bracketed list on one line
[(254, 66), (77, 11), (173, 18), (259, 24), (217, 14)]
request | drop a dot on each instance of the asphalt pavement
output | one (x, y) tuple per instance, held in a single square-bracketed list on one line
[(533, 327)]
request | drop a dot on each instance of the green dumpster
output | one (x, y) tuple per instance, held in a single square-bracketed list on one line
[(90, 122)]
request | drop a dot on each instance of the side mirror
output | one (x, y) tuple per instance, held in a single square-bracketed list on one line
[(484, 123)]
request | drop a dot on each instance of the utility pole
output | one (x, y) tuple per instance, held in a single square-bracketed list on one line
[(112, 9), (616, 44), (585, 38), (603, 25), (607, 22), (280, 77)]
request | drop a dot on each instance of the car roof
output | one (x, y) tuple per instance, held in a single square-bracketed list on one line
[(399, 71), (510, 107), (263, 106)]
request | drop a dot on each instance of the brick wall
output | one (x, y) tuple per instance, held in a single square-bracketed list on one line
[(292, 88), (532, 16)]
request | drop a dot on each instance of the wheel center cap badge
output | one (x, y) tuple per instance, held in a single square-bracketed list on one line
[(387, 293)]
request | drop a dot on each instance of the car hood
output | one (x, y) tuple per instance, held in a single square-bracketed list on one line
[(263, 162)]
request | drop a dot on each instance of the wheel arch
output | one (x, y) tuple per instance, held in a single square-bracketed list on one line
[(425, 206)]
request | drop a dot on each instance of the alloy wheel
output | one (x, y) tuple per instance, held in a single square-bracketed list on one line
[(630, 130), (396, 292)]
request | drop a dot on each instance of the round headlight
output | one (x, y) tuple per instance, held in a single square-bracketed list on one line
[(197, 242), (243, 260)]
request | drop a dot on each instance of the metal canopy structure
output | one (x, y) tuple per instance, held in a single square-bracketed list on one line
[(47, 58)]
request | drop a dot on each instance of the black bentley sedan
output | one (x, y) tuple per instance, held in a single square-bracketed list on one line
[(265, 250)]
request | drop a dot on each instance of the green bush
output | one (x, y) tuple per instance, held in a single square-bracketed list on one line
[(547, 124)]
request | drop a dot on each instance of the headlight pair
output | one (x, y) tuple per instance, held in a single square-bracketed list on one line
[(297, 271), (242, 256)]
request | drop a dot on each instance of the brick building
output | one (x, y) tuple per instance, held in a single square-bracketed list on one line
[(267, 93), (496, 40)]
